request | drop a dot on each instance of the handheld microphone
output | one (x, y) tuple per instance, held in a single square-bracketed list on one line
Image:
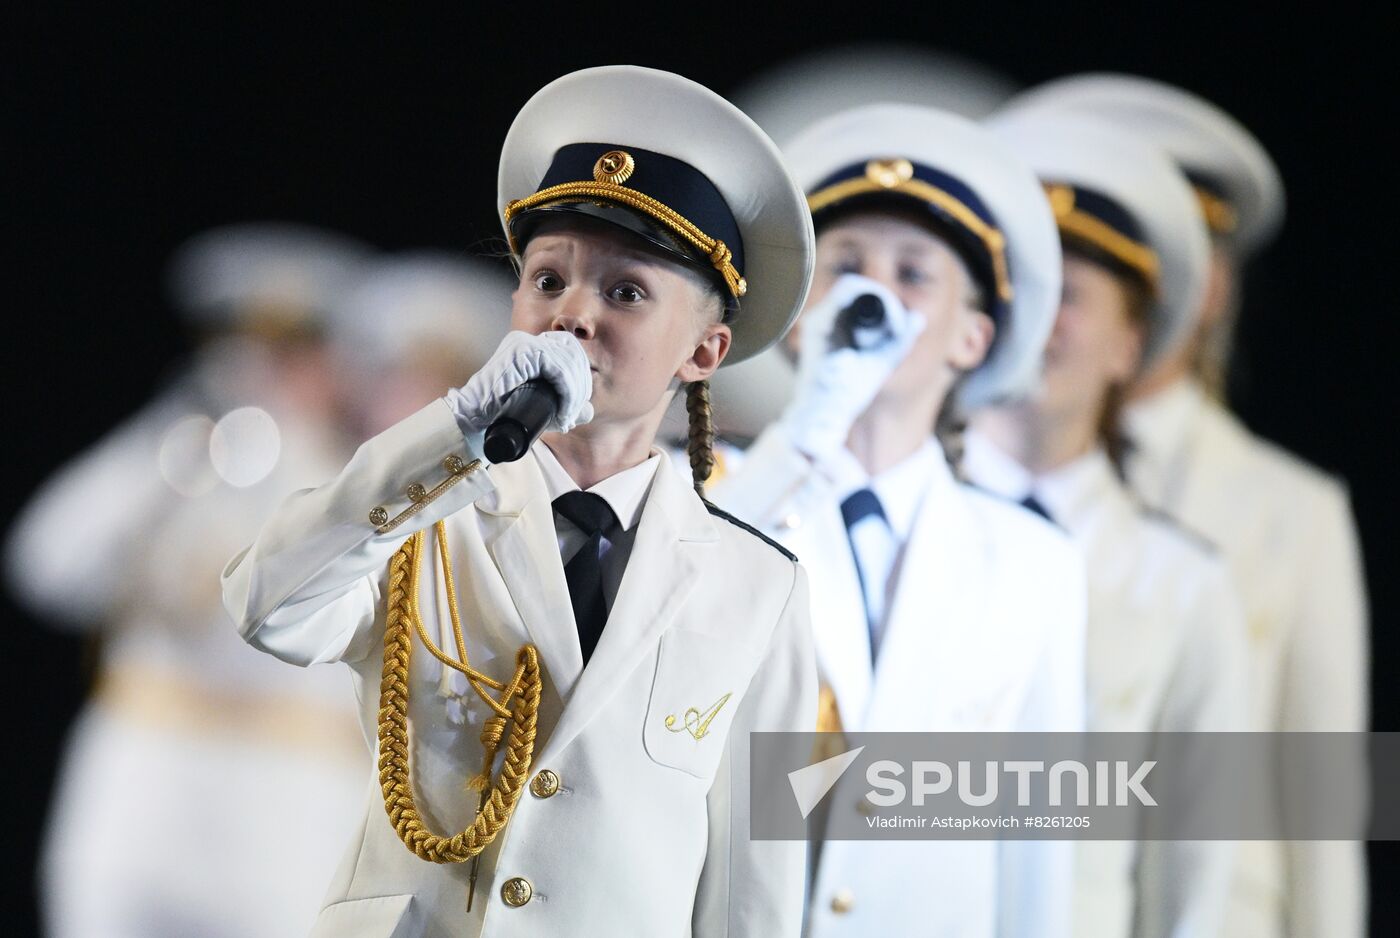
[(525, 413), (861, 325)]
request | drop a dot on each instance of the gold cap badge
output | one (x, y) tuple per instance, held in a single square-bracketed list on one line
[(614, 166), (889, 173)]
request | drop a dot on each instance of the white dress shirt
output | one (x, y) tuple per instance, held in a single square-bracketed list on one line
[(879, 544), (625, 492)]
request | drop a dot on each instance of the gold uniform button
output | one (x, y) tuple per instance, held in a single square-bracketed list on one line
[(842, 902), (544, 784), (517, 891), (416, 492), (378, 516), (453, 464)]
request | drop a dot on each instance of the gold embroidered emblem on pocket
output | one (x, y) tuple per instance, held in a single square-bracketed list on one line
[(694, 722)]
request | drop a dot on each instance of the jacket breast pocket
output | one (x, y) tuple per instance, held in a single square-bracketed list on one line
[(378, 917), (699, 683)]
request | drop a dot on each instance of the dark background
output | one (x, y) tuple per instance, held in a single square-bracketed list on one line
[(128, 131)]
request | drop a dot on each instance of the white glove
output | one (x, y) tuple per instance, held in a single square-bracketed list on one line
[(555, 356), (835, 386)]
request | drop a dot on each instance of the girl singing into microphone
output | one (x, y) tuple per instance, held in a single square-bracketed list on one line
[(935, 607), (559, 692)]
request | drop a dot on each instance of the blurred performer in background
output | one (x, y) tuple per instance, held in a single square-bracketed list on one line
[(1166, 636), (1284, 527), (786, 100), (414, 325), (935, 607), (207, 790), (790, 97)]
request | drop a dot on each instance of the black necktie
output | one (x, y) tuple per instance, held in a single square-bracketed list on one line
[(1031, 503), (859, 505), (584, 573)]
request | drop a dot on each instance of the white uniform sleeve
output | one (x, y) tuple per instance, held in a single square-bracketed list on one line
[(307, 589), (1035, 878), (1183, 885), (63, 552), (1324, 687), (754, 888)]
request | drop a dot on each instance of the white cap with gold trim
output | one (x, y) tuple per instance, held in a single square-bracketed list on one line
[(980, 197), (677, 165), (1236, 181), (1126, 199)]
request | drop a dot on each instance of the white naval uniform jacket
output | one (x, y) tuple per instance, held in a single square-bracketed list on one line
[(1166, 654), (648, 832), (1287, 532), (984, 632)]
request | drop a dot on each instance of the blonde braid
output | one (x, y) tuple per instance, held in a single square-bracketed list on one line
[(498, 800), (701, 443)]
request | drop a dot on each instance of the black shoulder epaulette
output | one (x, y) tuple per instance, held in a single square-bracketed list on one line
[(721, 513)]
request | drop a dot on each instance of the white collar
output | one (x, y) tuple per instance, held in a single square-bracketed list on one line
[(1069, 493), (1075, 492), (1156, 425), (900, 488), (991, 468), (625, 491)]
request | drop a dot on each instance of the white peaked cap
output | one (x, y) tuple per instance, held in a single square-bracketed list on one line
[(223, 276), (1205, 142), (1090, 153), (698, 135), (984, 168), (791, 96)]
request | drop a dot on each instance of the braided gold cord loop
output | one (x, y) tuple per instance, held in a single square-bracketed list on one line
[(499, 798), (723, 260)]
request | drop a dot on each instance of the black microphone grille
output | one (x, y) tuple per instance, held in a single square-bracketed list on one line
[(866, 312)]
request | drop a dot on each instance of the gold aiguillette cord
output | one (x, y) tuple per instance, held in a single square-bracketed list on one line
[(517, 705)]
